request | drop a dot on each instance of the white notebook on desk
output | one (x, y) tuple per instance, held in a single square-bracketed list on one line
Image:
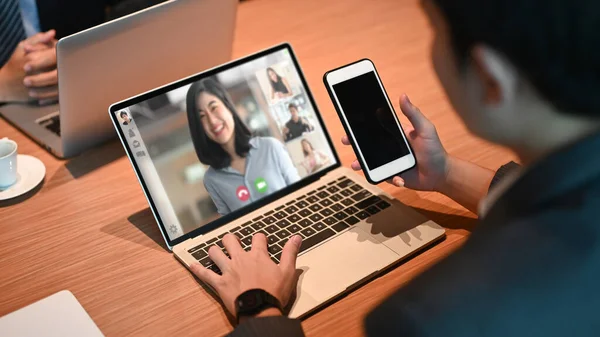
[(59, 315)]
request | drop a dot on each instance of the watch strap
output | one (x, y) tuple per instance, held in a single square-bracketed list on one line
[(264, 301)]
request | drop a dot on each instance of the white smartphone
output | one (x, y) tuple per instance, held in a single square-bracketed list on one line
[(369, 120)]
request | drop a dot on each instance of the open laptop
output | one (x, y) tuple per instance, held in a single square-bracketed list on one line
[(119, 59), (352, 231)]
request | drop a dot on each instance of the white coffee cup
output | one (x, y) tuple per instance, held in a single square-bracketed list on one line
[(8, 162)]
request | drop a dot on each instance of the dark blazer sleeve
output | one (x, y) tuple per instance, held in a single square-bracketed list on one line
[(502, 172), (269, 327), (70, 16)]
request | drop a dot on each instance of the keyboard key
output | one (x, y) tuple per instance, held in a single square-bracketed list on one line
[(351, 210), (319, 226), (197, 248), (322, 194), (340, 215), (259, 225), (308, 232), (356, 188), (361, 195), (352, 220), (373, 210), (274, 249), (278, 256), (269, 220), (315, 207), (314, 240), (330, 221), (367, 202), (247, 248), (280, 215), (294, 229), (238, 235), (269, 213), (220, 244), (347, 202), (316, 217), (247, 231), (346, 193), (333, 189), (206, 262), (331, 182), (257, 218), (291, 210), (215, 269), (247, 240), (274, 259), (321, 188), (301, 204), (283, 234), (305, 212), (304, 223), (312, 199), (336, 197), (340, 226), (283, 223), (272, 239), (211, 241), (326, 202), (337, 207), (383, 204), (272, 229), (280, 208), (199, 255), (247, 224), (290, 202), (326, 212), (345, 183), (363, 215), (294, 218), (235, 229), (222, 235)]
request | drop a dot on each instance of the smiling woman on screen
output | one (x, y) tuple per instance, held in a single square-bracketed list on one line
[(242, 168)]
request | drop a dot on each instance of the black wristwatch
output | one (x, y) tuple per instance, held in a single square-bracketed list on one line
[(254, 301)]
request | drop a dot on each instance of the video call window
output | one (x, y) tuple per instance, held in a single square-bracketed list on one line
[(229, 140)]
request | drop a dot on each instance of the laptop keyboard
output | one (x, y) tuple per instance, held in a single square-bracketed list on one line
[(52, 124), (317, 216)]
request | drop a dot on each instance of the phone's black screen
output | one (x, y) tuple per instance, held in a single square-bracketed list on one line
[(371, 120)]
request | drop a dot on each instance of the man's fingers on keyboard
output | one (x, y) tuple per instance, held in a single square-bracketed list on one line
[(232, 244), (218, 257), (259, 242), (205, 275), (290, 252)]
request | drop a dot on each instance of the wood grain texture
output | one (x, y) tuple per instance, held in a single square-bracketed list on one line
[(89, 229)]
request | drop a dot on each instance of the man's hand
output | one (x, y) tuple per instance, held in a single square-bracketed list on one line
[(41, 74), (251, 270), (432, 159)]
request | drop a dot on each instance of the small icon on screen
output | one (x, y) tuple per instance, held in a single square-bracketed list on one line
[(131, 133), (136, 144), (242, 193), (261, 185), (140, 154)]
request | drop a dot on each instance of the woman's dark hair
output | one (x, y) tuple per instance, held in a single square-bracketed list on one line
[(309, 144), (553, 42), (273, 83), (123, 113), (209, 152)]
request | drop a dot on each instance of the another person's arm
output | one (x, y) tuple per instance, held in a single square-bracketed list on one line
[(464, 182)]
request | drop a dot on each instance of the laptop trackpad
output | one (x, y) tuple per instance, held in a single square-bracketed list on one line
[(336, 265)]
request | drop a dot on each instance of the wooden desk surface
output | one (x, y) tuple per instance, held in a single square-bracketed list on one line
[(89, 229)]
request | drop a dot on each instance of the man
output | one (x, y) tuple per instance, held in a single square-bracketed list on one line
[(29, 30), (296, 126), (125, 117), (525, 75)]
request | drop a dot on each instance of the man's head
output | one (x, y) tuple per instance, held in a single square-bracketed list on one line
[(513, 68), (125, 117), (294, 111)]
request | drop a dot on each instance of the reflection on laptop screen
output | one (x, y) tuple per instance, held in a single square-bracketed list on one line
[(226, 141)]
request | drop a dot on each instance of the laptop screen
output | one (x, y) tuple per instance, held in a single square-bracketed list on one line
[(212, 146)]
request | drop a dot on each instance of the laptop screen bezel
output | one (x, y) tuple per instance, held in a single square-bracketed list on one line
[(247, 209)]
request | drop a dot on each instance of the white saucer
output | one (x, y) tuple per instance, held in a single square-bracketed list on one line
[(30, 173)]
